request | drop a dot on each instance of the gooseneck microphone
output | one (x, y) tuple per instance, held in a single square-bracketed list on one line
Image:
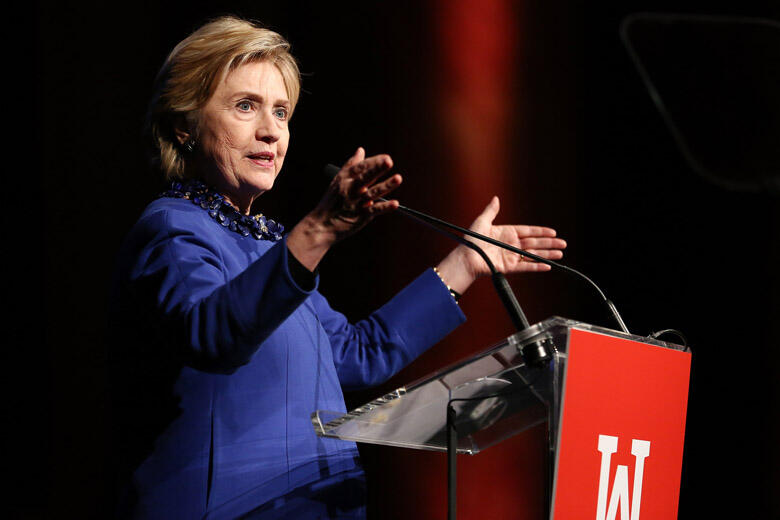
[(331, 170), (428, 218)]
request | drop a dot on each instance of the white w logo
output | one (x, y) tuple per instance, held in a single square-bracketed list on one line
[(640, 450)]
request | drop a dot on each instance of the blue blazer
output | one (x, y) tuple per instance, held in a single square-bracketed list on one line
[(218, 360)]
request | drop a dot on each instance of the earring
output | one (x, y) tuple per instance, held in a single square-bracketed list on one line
[(189, 146)]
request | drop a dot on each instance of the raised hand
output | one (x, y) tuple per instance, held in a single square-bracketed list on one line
[(349, 203), (462, 266)]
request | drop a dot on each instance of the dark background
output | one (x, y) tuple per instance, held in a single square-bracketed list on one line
[(587, 152)]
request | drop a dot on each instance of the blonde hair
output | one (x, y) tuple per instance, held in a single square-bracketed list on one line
[(194, 69)]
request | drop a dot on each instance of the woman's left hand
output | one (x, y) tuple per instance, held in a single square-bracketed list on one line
[(462, 266)]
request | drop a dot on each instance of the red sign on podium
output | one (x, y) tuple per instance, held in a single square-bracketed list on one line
[(622, 427)]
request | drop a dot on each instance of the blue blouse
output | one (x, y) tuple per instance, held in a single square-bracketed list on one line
[(219, 358)]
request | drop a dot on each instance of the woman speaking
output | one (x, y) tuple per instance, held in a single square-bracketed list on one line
[(221, 345)]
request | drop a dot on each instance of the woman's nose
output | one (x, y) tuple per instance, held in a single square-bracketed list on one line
[(267, 129)]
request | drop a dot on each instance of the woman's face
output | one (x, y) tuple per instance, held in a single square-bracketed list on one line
[(243, 133)]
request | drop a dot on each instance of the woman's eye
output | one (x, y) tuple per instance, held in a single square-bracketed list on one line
[(281, 113), (244, 106)]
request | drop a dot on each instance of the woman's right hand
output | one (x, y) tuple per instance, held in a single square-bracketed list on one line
[(349, 203)]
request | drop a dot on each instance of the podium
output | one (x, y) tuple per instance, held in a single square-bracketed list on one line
[(614, 405)]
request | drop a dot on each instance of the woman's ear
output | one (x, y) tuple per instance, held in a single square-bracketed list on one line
[(182, 136), (181, 128)]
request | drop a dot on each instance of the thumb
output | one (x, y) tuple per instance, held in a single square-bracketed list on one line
[(358, 156), (491, 210)]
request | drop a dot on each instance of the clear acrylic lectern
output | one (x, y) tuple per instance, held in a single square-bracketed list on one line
[(494, 394)]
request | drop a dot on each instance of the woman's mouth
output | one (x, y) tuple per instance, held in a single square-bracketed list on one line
[(262, 159)]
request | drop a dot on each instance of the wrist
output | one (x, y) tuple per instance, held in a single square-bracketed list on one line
[(309, 241), (454, 271)]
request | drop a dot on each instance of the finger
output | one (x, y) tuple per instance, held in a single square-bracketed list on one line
[(383, 188), (378, 208), (371, 167), (358, 156), (491, 210), (533, 267), (542, 243), (549, 254), (367, 171), (534, 231)]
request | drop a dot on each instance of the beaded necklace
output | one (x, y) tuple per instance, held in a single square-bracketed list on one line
[(257, 226)]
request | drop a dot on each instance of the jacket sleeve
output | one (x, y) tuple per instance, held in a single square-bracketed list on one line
[(372, 350), (216, 322)]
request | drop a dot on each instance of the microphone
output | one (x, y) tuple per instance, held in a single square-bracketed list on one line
[(331, 170)]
